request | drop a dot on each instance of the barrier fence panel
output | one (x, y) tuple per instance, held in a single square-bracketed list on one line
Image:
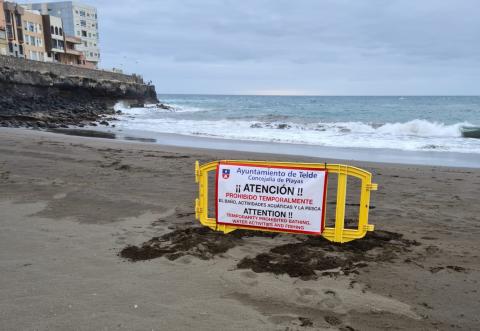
[(314, 175)]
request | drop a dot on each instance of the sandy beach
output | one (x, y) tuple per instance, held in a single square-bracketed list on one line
[(70, 205)]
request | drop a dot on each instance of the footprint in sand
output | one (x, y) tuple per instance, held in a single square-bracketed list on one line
[(249, 278), (120, 240), (59, 196), (282, 319), (246, 249), (332, 320), (249, 274), (306, 295), (330, 303), (185, 259), (331, 300)]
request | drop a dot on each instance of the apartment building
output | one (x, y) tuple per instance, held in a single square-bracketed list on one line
[(79, 20), (33, 35), (54, 38), (14, 28), (37, 34), (3, 32), (71, 55)]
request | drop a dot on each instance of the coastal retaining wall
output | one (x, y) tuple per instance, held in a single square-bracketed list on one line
[(66, 70), (96, 83)]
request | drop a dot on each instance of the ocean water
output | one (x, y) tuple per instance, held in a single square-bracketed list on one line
[(395, 122)]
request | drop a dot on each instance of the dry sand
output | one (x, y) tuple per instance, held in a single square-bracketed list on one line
[(70, 205)]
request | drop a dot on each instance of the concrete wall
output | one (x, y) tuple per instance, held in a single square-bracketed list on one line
[(66, 70)]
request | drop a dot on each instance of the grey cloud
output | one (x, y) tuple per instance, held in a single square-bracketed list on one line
[(317, 46)]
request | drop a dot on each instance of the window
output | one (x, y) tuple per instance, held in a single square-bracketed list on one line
[(85, 43), (52, 29), (20, 49), (56, 30), (61, 32), (10, 47), (83, 23), (78, 33), (36, 56), (10, 33), (29, 40), (82, 13), (84, 33), (89, 35)]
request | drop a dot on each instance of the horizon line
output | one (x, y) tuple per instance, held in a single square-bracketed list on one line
[(326, 95)]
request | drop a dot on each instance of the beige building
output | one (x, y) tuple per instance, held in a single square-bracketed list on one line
[(33, 35), (14, 28), (3, 32), (72, 56)]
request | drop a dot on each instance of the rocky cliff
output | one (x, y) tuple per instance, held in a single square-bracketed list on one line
[(38, 94)]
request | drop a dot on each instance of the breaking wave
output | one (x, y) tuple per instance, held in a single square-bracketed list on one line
[(412, 135), (417, 127), (151, 108)]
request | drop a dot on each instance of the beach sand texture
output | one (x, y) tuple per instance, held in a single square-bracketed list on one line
[(70, 205)]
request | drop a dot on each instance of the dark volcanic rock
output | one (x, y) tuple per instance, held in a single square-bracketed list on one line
[(39, 99), (164, 106)]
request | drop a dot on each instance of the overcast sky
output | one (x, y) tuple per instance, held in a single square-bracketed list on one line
[(317, 47)]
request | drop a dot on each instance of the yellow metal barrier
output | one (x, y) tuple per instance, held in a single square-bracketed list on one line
[(336, 234)]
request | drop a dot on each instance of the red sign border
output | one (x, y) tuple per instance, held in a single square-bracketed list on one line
[(322, 221)]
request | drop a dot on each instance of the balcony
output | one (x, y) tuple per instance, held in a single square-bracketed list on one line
[(73, 52)]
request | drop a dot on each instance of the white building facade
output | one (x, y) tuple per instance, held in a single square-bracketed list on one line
[(80, 21)]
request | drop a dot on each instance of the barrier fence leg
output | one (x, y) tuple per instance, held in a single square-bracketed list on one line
[(341, 199)]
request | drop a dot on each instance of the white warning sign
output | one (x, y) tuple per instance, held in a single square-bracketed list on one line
[(271, 197)]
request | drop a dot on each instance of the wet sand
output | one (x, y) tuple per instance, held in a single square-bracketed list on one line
[(98, 234)]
